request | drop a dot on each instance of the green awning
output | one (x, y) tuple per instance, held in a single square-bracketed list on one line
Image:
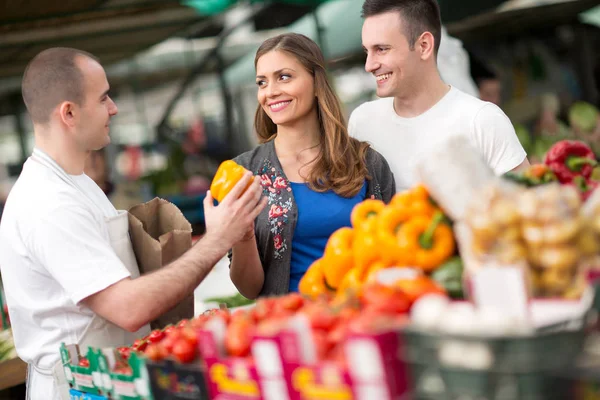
[(214, 7)]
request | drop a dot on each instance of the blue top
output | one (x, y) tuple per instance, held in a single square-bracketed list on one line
[(319, 215)]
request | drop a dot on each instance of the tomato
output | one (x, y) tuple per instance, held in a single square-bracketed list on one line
[(156, 352), (182, 323), (338, 333), (124, 370), (169, 328), (238, 337), (222, 313), (372, 321), (183, 351), (84, 362), (124, 352), (170, 340), (199, 322), (419, 286), (239, 314), (319, 316), (291, 302), (190, 335), (322, 346), (385, 299), (263, 308), (156, 336), (139, 345)]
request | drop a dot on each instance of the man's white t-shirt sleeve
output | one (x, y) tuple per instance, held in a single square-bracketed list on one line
[(496, 138), (69, 244), (352, 124)]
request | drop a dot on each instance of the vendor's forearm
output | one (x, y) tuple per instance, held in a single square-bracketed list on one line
[(132, 303), (246, 271)]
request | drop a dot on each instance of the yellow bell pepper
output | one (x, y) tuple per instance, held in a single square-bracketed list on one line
[(352, 281), (365, 212), (228, 174), (389, 223), (338, 256), (366, 249), (428, 240), (312, 284)]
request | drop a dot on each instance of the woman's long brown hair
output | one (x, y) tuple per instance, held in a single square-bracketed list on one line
[(341, 163)]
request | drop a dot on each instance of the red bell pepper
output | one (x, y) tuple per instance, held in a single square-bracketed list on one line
[(584, 187), (570, 158)]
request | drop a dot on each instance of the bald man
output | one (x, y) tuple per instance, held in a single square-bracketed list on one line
[(66, 260)]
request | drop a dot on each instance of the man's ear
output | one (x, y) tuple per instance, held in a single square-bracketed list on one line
[(426, 45), (68, 113)]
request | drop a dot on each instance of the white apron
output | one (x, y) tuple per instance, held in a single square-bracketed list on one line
[(50, 384)]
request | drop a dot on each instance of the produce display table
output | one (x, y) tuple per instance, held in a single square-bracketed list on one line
[(13, 373)]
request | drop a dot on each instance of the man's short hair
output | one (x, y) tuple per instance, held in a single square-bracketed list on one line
[(419, 16), (51, 78)]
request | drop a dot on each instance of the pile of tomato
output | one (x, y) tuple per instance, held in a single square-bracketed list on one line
[(376, 309)]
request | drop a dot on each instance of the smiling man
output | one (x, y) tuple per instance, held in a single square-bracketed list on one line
[(417, 108)]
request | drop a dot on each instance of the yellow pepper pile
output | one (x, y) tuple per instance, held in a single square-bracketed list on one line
[(411, 231)]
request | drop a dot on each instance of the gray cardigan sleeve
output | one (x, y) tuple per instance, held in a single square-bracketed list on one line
[(382, 182)]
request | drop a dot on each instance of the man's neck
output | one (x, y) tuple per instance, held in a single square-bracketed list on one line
[(420, 100), (66, 155)]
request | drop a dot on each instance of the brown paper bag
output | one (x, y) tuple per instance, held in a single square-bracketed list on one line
[(160, 234)]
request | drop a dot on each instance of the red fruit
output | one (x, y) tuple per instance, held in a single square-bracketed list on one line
[(320, 316), (338, 334), (190, 335), (322, 346), (222, 313), (199, 322), (183, 351), (170, 340), (84, 362), (239, 314), (385, 299), (169, 329), (124, 370), (238, 337), (292, 302), (124, 352), (156, 336), (372, 321), (263, 308), (182, 323), (156, 352), (139, 345)]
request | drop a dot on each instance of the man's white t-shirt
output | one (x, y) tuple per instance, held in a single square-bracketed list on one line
[(404, 141), (54, 252)]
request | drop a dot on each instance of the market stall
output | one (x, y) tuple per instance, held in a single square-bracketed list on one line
[(486, 292)]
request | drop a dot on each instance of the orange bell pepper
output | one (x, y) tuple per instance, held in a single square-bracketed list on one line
[(338, 256), (429, 240), (416, 200), (365, 212), (418, 286), (228, 174), (312, 284), (389, 223)]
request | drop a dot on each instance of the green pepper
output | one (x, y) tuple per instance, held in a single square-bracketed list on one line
[(449, 276)]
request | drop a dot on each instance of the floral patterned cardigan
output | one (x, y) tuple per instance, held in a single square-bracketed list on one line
[(275, 225)]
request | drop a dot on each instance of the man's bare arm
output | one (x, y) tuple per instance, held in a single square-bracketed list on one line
[(132, 303)]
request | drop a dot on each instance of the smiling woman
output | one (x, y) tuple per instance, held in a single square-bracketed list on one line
[(312, 172)]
